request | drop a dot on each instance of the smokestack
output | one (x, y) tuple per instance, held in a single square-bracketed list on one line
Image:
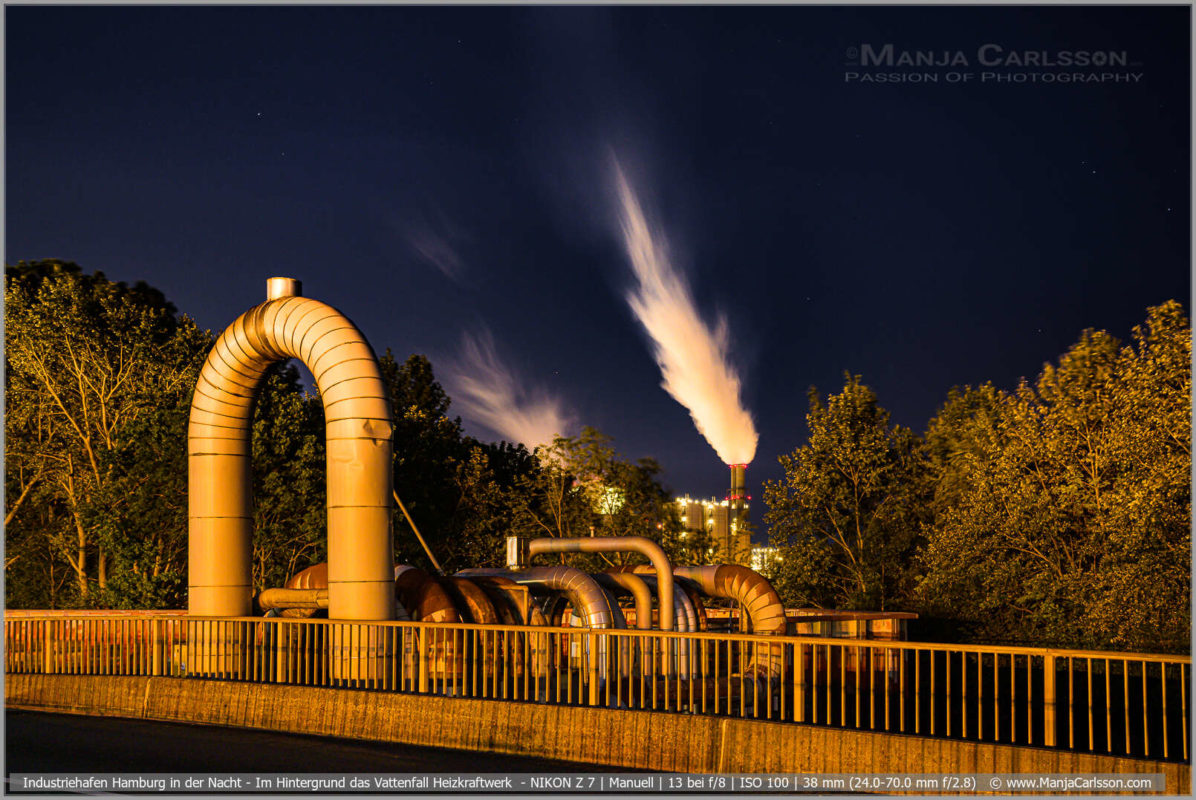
[(738, 483)]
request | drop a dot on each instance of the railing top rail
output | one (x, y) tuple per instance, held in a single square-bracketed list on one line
[(746, 638)]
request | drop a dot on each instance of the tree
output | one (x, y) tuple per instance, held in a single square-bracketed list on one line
[(429, 448), (89, 364), (846, 516), (289, 478), (1062, 510), (583, 487)]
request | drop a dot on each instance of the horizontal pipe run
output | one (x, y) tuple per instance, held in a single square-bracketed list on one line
[(293, 598), (588, 599)]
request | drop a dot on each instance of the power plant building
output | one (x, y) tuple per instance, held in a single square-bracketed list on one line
[(725, 521), (730, 541)]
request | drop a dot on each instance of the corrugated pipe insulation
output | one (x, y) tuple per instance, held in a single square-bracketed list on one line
[(358, 428)]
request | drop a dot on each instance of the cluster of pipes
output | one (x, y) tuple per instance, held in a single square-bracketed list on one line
[(664, 597), (360, 581)]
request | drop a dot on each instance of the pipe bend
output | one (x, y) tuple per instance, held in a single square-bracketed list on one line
[(759, 601), (618, 544), (629, 583), (358, 434), (592, 603)]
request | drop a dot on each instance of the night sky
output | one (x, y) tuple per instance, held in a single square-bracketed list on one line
[(436, 172)]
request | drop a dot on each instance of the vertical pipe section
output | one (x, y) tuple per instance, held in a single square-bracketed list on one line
[(626, 582), (358, 427)]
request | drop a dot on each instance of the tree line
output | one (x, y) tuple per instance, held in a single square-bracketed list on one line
[(1057, 513), (98, 384)]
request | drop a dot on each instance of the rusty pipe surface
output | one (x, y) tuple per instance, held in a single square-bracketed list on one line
[(619, 544), (469, 599), (510, 600), (634, 585), (592, 604), (423, 596), (358, 427)]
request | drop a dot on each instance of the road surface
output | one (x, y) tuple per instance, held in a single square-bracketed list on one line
[(65, 743)]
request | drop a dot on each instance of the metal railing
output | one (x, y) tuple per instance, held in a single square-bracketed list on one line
[(1116, 703)]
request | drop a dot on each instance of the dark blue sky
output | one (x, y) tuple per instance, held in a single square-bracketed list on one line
[(922, 235)]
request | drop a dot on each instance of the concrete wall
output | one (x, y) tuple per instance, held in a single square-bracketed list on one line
[(649, 740)]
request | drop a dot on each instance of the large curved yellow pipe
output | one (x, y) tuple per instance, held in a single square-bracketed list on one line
[(358, 426)]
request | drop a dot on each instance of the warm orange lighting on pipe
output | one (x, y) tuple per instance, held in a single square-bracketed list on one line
[(358, 427)]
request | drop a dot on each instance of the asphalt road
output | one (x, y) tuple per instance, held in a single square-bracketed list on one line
[(64, 743)]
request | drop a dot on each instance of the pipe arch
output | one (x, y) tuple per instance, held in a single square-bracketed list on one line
[(358, 428)]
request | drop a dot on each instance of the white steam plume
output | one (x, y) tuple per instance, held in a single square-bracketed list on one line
[(692, 356), (490, 394)]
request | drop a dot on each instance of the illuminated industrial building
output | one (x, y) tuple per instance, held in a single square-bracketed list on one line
[(764, 558), (724, 521)]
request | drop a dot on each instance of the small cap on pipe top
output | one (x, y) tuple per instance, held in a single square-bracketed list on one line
[(283, 287)]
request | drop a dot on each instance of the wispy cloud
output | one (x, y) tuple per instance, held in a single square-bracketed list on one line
[(489, 393), (693, 356), (439, 242)]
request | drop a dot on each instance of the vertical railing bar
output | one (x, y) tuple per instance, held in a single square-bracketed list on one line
[(1183, 705), (706, 675), (1030, 698), (1163, 687), (1125, 699), (963, 678), (1145, 721), (917, 691), (305, 651), (859, 667), (490, 679), (785, 648), (1013, 697), (674, 649), (947, 698), (1071, 702), (997, 695), (872, 668), (729, 669), (1108, 706), (885, 682), (1091, 742), (448, 661), (980, 695), (842, 684), (643, 669)]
